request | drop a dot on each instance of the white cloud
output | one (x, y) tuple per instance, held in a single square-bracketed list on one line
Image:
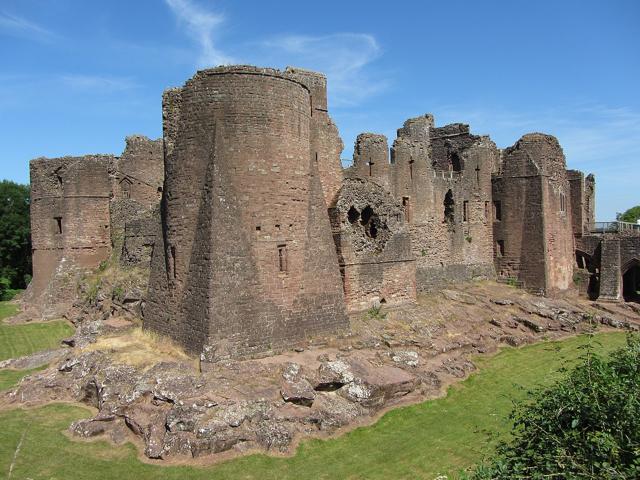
[(18, 26), (102, 84), (201, 25), (343, 57)]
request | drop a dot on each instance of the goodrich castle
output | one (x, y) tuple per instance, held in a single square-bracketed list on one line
[(257, 238)]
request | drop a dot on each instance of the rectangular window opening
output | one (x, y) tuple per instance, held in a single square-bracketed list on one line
[(406, 205), (282, 258), (58, 225), (500, 248), (497, 210)]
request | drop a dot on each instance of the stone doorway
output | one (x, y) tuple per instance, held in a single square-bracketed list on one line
[(631, 282)]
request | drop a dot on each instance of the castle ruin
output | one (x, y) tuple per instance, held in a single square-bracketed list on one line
[(258, 239)]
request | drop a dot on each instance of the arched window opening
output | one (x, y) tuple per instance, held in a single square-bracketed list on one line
[(367, 220), (455, 163), (353, 215), (449, 207)]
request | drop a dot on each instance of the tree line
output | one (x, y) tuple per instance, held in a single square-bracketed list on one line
[(15, 238)]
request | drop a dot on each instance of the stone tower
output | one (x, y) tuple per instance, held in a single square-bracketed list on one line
[(246, 262), (70, 228)]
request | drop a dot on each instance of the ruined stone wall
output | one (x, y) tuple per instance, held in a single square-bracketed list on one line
[(559, 237), (70, 225), (618, 253), (582, 202), (576, 182), (448, 210), (534, 236), (326, 144), (139, 240), (589, 203), (137, 178), (371, 159), (247, 262), (374, 246)]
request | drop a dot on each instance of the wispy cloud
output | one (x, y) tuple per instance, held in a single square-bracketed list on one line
[(344, 57), (21, 27), (201, 25), (98, 84)]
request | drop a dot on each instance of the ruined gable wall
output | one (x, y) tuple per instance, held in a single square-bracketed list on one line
[(374, 246), (371, 159), (69, 225), (455, 248), (241, 191)]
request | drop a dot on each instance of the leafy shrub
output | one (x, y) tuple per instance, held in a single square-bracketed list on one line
[(512, 282), (91, 294), (118, 292), (587, 426), (376, 312)]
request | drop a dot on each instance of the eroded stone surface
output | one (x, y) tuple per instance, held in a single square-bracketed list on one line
[(177, 411)]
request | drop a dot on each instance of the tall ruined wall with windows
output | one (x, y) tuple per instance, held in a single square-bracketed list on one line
[(80, 207), (533, 226), (442, 179), (245, 263), (70, 226)]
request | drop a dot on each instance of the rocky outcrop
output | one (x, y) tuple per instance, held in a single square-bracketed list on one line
[(406, 355)]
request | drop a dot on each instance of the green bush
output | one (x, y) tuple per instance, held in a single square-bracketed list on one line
[(376, 312), (587, 426)]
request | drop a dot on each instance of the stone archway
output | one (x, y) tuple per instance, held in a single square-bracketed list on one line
[(631, 281)]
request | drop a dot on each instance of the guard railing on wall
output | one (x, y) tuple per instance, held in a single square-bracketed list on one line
[(615, 227)]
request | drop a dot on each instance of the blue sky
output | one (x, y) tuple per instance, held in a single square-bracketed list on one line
[(78, 76)]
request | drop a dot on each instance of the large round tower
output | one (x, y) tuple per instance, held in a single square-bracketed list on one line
[(247, 262)]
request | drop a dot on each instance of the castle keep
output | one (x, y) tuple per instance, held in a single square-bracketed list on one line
[(257, 238)]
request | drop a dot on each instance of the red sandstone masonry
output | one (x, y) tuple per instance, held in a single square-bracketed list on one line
[(248, 264)]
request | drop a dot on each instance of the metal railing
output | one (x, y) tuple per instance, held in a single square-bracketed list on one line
[(615, 227)]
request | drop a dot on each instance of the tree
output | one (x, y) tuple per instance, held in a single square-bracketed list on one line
[(632, 215), (586, 426), (15, 235)]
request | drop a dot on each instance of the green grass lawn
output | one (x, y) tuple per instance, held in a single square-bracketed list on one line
[(7, 310), (23, 339), (420, 441), (10, 378)]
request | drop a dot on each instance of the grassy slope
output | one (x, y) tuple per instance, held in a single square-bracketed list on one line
[(19, 340), (419, 441)]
